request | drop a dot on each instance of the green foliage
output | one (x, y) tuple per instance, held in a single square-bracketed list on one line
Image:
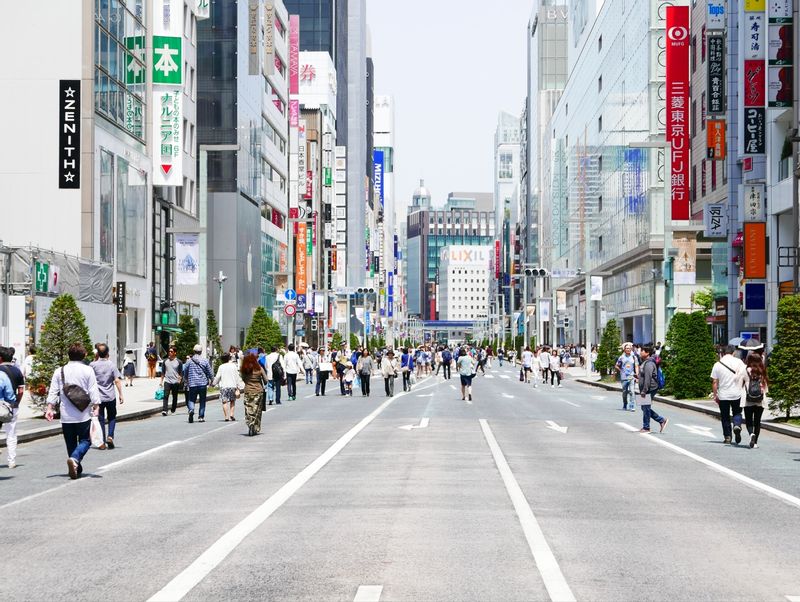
[(784, 365), (532, 343), (689, 356), (263, 332), (64, 326), (608, 351), (212, 328), (354, 342), (337, 340), (704, 299), (187, 338)]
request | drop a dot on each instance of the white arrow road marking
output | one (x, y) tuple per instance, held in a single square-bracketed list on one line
[(771, 491), (546, 562), (703, 431), (507, 396), (368, 593), (423, 423), (555, 427)]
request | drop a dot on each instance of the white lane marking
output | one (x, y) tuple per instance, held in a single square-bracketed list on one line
[(793, 598), (423, 424), (598, 397), (490, 376), (504, 376), (507, 396), (107, 466), (546, 562), (426, 395), (555, 427), (368, 593), (134, 457), (627, 427), (570, 403), (752, 483), (703, 431), (189, 577), (453, 387)]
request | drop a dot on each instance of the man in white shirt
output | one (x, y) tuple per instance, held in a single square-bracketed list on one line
[(294, 366), (544, 361), (275, 375), (527, 368), (728, 377), (75, 423)]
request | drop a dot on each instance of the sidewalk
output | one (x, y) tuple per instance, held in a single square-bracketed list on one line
[(139, 403), (705, 406)]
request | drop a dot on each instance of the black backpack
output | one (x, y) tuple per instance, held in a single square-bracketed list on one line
[(277, 371), (754, 391)]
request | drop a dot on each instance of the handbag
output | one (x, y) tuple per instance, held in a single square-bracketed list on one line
[(521, 376), (6, 412), (159, 395), (76, 394), (96, 433), (325, 367)]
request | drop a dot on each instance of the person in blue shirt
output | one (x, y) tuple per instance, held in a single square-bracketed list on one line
[(198, 375), (7, 392), (406, 367), (628, 368)]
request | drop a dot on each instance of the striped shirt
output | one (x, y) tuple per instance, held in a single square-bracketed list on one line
[(197, 372)]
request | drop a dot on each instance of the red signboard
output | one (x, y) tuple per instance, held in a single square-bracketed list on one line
[(677, 72), (755, 88), (497, 259), (755, 250), (309, 185)]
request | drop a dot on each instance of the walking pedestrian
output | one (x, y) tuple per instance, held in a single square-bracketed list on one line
[(527, 364), (151, 355), (544, 360), (536, 368), (129, 367), (324, 368), (74, 388), (254, 378), (728, 378), (500, 355), (406, 368), (628, 368), (389, 369), (648, 387), (294, 366), (447, 360), (466, 369), (276, 375), (365, 368), (171, 379), (308, 366), (230, 383), (16, 384), (108, 378), (756, 393), (198, 375), (555, 368), (27, 363)]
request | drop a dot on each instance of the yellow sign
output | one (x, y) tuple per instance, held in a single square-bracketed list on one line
[(754, 6)]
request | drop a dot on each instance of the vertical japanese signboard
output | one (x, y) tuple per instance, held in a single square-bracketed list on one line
[(294, 54), (716, 74), (754, 78), (677, 80), (167, 137), (168, 42), (715, 139), (253, 30), (69, 133), (779, 54), (301, 261), (269, 37), (497, 259), (755, 208), (755, 249), (715, 15), (202, 9), (377, 174)]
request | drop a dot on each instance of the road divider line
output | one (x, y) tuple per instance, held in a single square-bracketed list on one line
[(152, 450), (724, 470), (793, 598), (198, 570), (368, 593), (546, 562), (571, 403)]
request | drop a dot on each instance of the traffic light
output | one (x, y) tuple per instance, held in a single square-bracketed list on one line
[(566, 322), (365, 290), (313, 324), (536, 272)]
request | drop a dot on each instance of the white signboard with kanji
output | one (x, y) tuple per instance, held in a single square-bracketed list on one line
[(167, 137)]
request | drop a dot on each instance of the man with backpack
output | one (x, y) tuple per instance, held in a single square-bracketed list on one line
[(16, 381), (276, 374), (728, 378), (651, 379), (447, 360)]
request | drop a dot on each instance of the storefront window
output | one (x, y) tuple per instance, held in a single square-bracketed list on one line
[(106, 206), (131, 219)]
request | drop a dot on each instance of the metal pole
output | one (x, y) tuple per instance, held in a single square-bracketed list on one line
[(525, 310), (202, 241), (795, 159), (221, 288)]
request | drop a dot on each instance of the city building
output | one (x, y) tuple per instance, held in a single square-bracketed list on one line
[(464, 281), (383, 183), (243, 104), (466, 219)]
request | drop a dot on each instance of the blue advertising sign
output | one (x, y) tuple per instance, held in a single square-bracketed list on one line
[(290, 294), (301, 303), (377, 174), (396, 252), (390, 302), (755, 296)]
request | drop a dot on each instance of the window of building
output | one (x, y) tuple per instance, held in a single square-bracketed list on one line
[(693, 125), (693, 187), (600, 123), (131, 219), (703, 110), (106, 206), (566, 109), (600, 204), (599, 43), (694, 53), (713, 175), (703, 179), (600, 244), (506, 169), (703, 44), (600, 84)]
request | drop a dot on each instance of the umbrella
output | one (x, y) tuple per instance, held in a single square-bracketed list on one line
[(304, 344), (751, 345)]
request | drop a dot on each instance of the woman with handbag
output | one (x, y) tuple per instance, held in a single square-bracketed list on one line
[(364, 367), (254, 379), (389, 372), (230, 383), (755, 393), (324, 367), (407, 368)]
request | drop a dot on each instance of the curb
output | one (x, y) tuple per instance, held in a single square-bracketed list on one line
[(53, 429), (783, 429)]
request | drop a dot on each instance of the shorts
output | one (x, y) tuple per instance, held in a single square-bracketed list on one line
[(227, 395), (528, 369), (466, 381)]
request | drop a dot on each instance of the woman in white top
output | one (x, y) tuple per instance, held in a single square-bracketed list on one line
[(555, 368), (230, 384), (389, 369)]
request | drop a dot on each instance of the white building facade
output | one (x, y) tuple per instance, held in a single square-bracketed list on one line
[(464, 282)]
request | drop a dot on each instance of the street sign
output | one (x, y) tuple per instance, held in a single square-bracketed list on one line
[(345, 290), (301, 303), (290, 294), (289, 310), (563, 273)]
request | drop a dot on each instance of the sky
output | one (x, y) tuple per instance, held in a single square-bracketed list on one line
[(451, 67)]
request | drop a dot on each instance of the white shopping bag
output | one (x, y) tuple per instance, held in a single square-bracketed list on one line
[(96, 434)]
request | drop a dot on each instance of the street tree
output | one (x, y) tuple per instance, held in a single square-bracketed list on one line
[(214, 336), (354, 342), (608, 351), (689, 356), (704, 299), (783, 366), (187, 338), (64, 326), (258, 335), (336, 340)]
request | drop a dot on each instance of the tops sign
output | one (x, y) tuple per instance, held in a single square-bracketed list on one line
[(715, 15), (69, 133)]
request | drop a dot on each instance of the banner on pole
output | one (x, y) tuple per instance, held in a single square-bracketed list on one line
[(187, 259)]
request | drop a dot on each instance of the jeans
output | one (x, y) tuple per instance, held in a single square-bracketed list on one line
[(407, 381), (342, 388), (76, 436), (555, 374), (291, 385), (11, 436), (628, 393), (648, 412), (389, 385), (108, 408), (322, 378), (309, 376), (545, 375), (500, 359), (365, 384), (275, 389), (726, 406), (752, 418), (446, 368), (192, 397), (171, 388)]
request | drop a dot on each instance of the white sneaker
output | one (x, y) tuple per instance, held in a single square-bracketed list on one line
[(553, 386), (12, 464), (559, 386)]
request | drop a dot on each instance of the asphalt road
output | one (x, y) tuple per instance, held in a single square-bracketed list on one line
[(484, 501)]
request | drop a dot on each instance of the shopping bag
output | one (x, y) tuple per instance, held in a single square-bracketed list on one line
[(522, 375), (412, 379), (159, 395), (96, 433)]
